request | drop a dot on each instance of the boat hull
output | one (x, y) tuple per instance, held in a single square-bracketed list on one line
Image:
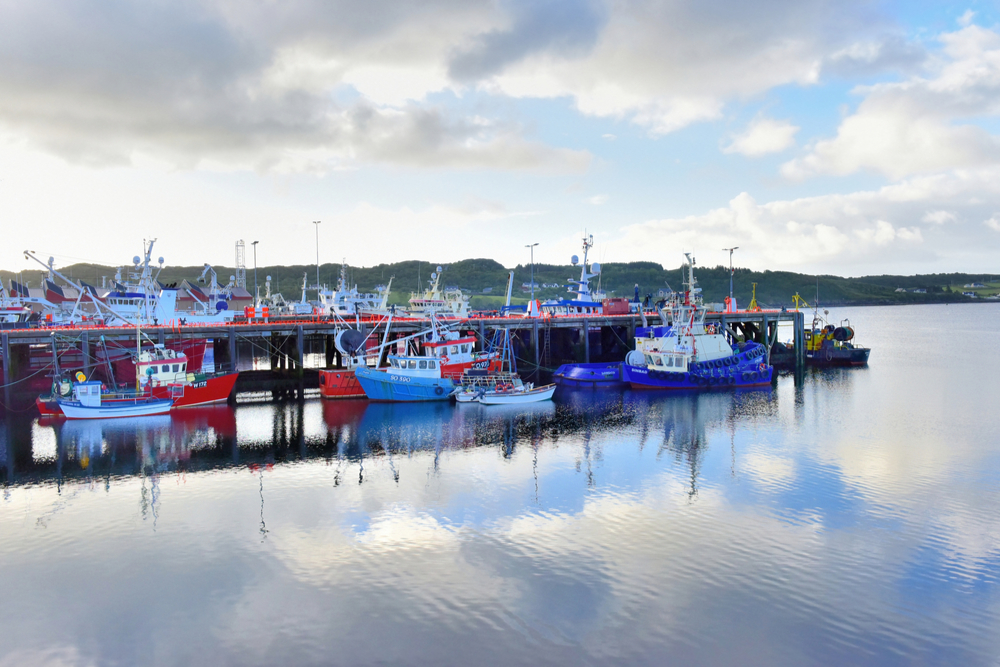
[(838, 356), (605, 376), (391, 387), (118, 409), (746, 369), (340, 384)]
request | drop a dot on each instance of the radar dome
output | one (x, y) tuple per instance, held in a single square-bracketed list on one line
[(160, 260), (440, 269), (135, 260), (232, 277), (595, 267), (434, 276), (268, 278), (574, 260)]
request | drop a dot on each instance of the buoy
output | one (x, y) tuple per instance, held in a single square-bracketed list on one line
[(80, 377)]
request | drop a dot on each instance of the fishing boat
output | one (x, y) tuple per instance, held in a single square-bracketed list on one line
[(347, 301), (830, 345), (447, 302), (160, 373), (406, 379), (87, 402), (586, 301), (691, 354)]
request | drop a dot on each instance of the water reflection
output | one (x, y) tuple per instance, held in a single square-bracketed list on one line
[(353, 431)]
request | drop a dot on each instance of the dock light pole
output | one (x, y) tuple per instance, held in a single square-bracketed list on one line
[(255, 292), (731, 271), (316, 222), (532, 246)]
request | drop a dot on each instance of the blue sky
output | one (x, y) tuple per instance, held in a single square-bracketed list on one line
[(849, 138)]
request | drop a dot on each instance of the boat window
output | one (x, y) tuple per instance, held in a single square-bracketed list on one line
[(465, 348), (659, 361), (432, 365), (177, 367), (394, 363), (166, 368), (649, 359), (454, 349), (423, 365), (670, 361), (412, 363)]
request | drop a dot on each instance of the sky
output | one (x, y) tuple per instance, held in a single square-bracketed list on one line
[(850, 138)]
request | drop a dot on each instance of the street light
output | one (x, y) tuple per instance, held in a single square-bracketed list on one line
[(316, 222), (731, 273), (532, 246), (256, 293)]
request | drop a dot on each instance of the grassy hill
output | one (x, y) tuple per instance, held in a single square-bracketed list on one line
[(774, 288)]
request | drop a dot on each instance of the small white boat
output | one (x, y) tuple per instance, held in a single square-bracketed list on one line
[(517, 396), (87, 403)]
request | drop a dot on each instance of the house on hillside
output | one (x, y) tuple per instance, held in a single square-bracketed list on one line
[(900, 289), (919, 290), (972, 295), (975, 286)]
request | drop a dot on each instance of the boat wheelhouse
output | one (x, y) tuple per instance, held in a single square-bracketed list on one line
[(587, 302), (450, 302)]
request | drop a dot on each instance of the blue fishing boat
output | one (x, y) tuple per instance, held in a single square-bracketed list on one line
[(406, 379), (693, 355)]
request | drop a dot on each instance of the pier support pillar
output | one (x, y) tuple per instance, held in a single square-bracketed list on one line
[(161, 338), (5, 342), (800, 341), (231, 336), (586, 342), (299, 348), (85, 348), (482, 335), (534, 340), (330, 351)]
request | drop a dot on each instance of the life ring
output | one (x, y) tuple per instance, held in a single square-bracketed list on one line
[(762, 368), (444, 359), (439, 390)]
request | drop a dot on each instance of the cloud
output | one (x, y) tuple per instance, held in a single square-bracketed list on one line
[(763, 136), (939, 217), (897, 228), (238, 85), (597, 200), (913, 127)]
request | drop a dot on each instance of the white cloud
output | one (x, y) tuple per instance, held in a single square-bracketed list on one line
[(763, 136), (913, 127), (597, 200), (966, 18), (939, 217), (874, 231)]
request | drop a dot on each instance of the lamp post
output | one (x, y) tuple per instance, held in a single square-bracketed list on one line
[(316, 222), (255, 292), (532, 247), (731, 272)]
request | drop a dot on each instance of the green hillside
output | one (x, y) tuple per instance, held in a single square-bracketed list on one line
[(487, 279)]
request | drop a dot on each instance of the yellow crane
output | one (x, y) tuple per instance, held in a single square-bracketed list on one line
[(753, 307), (799, 302)]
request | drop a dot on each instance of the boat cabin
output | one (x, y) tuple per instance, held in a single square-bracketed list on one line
[(452, 350), (160, 366), (88, 393), (423, 367), (674, 362)]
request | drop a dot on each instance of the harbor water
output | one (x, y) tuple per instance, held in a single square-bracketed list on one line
[(848, 516)]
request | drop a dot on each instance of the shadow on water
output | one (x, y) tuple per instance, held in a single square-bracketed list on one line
[(34, 451)]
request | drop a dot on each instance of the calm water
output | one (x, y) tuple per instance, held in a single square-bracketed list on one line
[(853, 518)]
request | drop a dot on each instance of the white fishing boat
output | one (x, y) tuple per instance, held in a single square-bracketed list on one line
[(447, 302), (347, 301), (516, 396), (89, 402)]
